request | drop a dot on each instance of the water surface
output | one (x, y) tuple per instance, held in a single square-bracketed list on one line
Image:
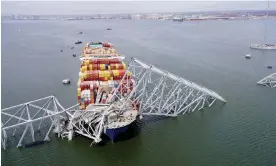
[(210, 53)]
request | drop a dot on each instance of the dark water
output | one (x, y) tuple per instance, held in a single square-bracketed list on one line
[(211, 53)]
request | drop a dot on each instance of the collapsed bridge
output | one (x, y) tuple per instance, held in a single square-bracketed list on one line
[(154, 92), (269, 81)]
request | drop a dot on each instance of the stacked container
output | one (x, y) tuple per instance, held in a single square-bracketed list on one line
[(98, 77)]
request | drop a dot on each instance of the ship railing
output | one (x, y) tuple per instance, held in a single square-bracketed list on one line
[(97, 57)]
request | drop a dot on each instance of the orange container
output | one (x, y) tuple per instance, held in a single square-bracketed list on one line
[(84, 85), (92, 75), (117, 77), (92, 67), (104, 78), (122, 72), (90, 61), (93, 61), (103, 61), (79, 99), (91, 96), (115, 60), (117, 66)]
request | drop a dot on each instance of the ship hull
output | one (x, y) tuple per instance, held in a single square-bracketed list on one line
[(117, 134), (261, 47)]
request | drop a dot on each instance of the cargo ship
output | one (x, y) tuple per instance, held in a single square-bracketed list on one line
[(263, 46), (101, 72)]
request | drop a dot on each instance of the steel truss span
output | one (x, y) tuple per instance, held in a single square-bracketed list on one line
[(32, 119), (269, 81), (153, 92), (158, 92), (146, 88)]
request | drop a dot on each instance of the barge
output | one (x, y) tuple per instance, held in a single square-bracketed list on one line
[(263, 46)]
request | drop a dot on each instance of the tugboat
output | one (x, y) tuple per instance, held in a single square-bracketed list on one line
[(78, 42), (269, 67), (247, 56), (66, 81)]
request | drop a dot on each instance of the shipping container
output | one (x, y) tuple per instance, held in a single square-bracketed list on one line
[(117, 66), (114, 60), (103, 61)]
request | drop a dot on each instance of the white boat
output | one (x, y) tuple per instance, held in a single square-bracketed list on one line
[(66, 81), (247, 56), (263, 46)]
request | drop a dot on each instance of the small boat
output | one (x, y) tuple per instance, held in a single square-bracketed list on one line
[(247, 56), (66, 81), (74, 55), (108, 29), (78, 42), (269, 67), (80, 33), (61, 50), (263, 46), (72, 48)]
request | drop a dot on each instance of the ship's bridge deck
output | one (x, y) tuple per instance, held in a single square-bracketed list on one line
[(99, 49)]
